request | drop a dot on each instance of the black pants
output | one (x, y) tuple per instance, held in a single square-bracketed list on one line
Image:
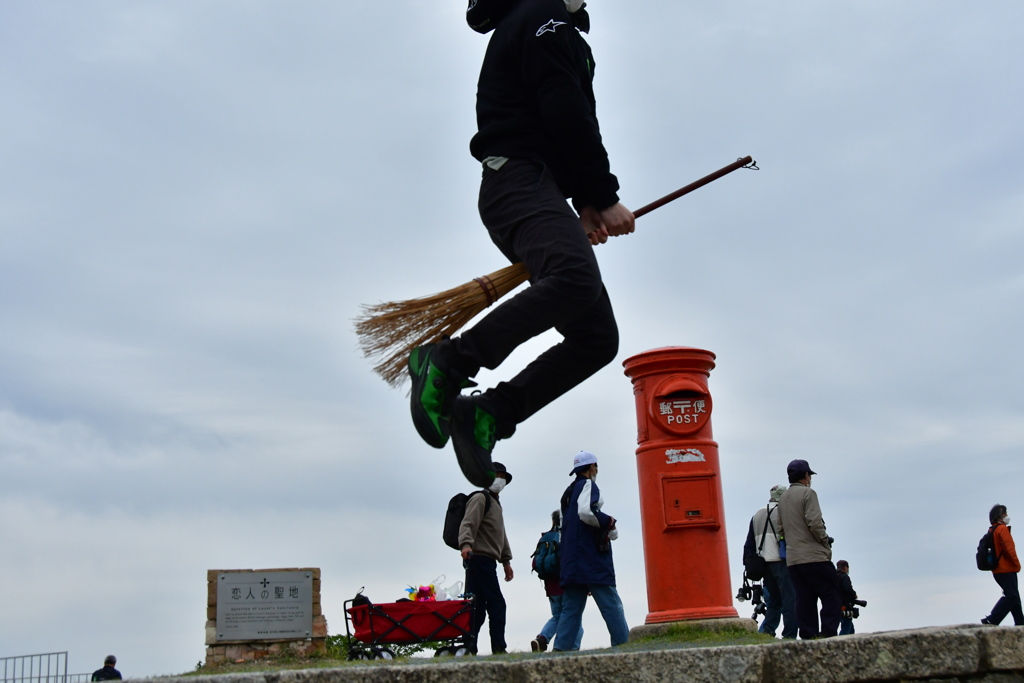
[(812, 582), (1010, 602), (488, 602), (530, 221)]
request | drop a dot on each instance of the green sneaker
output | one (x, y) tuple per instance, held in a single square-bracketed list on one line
[(434, 389), (473, 436)]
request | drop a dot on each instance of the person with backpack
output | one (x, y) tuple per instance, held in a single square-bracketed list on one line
[(762, 548), (547, 565), (1006, 569), (538, 143), (586, 556), (484, 544)]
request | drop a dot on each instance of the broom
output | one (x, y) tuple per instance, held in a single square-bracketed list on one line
[(390, 331)]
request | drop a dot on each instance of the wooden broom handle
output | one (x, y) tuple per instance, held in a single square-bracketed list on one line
[(672, 196), (726, 170)]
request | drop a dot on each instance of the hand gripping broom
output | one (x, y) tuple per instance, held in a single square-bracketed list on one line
[(388, 332)]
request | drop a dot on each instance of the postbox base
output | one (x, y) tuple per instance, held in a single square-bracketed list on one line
[(713, 625), (691, 614)]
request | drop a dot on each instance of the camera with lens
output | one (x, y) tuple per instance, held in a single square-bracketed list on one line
[(757, 600), (852, 611), (755, 594)]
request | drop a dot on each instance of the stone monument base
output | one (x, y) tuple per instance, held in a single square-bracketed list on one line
[(248, 652)]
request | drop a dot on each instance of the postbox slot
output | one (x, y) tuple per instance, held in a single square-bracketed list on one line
[(690, 500), (683, 393)]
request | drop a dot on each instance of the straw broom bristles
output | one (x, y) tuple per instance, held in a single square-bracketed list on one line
[(389, 331)]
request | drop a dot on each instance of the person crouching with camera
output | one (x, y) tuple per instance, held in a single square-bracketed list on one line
[(851, 604)]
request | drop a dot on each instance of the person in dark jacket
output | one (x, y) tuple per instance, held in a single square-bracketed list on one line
[(538, 143), (108, 672), (1007, 568), (586, 556), (849, 595)]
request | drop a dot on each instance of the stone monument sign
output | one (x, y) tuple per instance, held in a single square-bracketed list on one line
[(264, 605), (257, 613)]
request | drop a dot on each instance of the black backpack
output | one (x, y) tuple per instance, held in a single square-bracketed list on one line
[(986, 555), (545, 556), (755, 565), (456, 511)]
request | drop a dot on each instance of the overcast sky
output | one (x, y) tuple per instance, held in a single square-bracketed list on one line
[(196, 197)]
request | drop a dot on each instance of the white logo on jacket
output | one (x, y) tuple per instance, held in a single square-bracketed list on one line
[(549, 27)]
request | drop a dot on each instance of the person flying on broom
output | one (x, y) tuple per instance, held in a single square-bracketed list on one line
[(539, 142)]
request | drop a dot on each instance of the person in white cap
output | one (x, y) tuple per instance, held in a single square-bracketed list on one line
[(763, 539), (586, 556)]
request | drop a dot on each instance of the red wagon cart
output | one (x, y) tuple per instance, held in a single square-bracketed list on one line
[(375, 626)]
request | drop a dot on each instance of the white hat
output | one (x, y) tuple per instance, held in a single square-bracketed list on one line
[(582, 459)]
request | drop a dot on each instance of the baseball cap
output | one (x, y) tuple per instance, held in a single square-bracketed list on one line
[(500, 469), (799, 466), (582, 459)]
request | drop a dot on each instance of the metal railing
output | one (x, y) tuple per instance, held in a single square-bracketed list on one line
[(50, 667)]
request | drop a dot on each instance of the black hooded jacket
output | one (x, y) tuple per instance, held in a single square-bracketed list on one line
[(535, 100)]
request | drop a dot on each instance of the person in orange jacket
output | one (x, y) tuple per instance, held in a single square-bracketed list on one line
[(1005, 573)]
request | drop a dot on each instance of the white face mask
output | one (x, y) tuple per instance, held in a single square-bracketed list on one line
[(498, 485), (573, 5), (1006, 520)]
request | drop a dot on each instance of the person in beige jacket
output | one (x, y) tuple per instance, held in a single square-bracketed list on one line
[(809, 555), (484, 544)]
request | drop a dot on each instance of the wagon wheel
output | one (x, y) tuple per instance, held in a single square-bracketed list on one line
[(383, 653), (361, 655), (443, 652), (461, 651)]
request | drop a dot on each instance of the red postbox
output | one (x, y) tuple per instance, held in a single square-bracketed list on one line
[(681, 507)]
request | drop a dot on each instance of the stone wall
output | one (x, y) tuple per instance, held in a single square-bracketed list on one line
[(954, 654), (219, 652)]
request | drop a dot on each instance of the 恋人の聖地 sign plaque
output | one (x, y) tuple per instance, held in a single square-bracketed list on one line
[(268, 605)]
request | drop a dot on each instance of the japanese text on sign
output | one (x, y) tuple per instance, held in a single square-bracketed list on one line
[(271, 605), (682, 411)]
